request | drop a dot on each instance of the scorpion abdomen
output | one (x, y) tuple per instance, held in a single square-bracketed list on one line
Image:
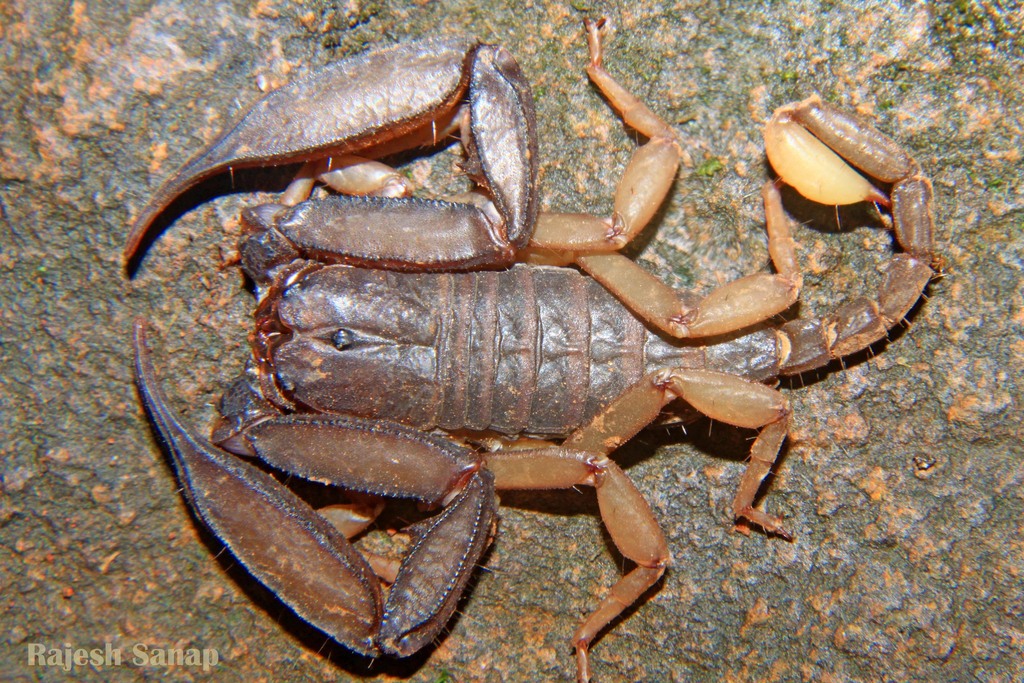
[(528, 350), (544, 351)]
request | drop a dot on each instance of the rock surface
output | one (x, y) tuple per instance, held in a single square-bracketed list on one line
[(903, 479)]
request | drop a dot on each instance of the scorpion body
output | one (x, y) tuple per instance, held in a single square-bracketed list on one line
[(532, 350), (391, 331)]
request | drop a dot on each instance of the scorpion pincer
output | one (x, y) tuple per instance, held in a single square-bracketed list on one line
[(386, 323)]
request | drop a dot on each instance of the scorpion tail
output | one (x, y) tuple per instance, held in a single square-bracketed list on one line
[(812, 145)]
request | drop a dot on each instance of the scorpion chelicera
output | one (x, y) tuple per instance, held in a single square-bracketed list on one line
[(387, 323)]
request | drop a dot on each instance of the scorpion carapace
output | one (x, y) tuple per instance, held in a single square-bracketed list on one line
[(387, 322)]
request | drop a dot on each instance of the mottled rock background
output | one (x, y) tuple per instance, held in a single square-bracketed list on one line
[(903, 479)]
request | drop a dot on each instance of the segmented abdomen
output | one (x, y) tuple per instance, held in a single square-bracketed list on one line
[(529, 350), (544, 350)]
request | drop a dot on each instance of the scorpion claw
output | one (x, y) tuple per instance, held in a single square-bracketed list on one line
[(291, 542), (325, 113), (436, 570)]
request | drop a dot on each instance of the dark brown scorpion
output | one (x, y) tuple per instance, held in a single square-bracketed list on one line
[(385, 322)]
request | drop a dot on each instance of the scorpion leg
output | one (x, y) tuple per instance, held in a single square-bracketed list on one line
[(364, 175), (721, 396), (643, 186), (626, 514), (347, 174), (354, 518), (582, 459), (590, 242)]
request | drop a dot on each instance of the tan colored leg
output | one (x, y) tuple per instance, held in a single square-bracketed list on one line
[(742, 403), (568, 235), (348, 175), (652, 169), (781, 245), (762, 457), (626, 515), (718, 395), (644, 183), (731, 307), (624, 593), (355, 175), (352, 519), (582, 459), (590, 242), (355, 517)]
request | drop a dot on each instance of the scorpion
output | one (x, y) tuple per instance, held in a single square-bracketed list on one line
[(390, 329)]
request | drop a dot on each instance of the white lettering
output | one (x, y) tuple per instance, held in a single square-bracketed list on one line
[(55, 658), (141, 652), (211, 658), (113, 654), (35, 654), (68, 657)]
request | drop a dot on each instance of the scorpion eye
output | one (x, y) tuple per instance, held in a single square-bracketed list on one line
[(342, 338)]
